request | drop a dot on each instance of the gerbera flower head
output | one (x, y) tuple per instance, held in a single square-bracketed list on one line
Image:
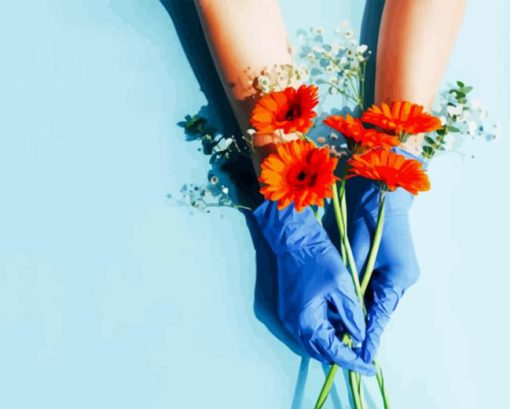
[(401, 117), (391, 170), (298, 172), (348, 126), (352, 128), (290, 110)]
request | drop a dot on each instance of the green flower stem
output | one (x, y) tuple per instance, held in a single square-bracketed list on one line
[(354, 382), (376, 242), (382, 386), (328, 383), (360, 391), (340, 219), (362, 80), (343, 238), (339, 206), (346, 249)]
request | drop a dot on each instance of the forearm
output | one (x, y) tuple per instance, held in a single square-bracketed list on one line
[(245, 37), (415, 41)]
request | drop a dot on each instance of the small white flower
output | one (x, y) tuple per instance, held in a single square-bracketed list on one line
[(224, 144), (348, 34), (214, 179), (224, 189), (321, 140), (362, 48), (333, 151), (311, 57), (443, 120), (335, 47)]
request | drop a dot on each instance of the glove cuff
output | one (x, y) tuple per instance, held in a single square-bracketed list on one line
[(288, 229)]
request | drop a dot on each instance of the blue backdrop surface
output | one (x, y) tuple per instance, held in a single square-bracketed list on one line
[(111, 297)]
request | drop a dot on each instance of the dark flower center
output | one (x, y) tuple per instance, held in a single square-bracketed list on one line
[(293, 112), (304, 178), (301, 176)]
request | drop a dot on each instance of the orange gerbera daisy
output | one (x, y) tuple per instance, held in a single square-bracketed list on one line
[(391, 170), (353, 128), (401, 117), (298, 172), (290, 110)]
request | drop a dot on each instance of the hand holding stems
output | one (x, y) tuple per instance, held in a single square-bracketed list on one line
[(316, 297), (410, 65), (340, 214), (391, 252), (392, 257), (246, 37)]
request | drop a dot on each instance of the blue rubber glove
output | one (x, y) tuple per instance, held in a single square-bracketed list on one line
[(396, 267), (316, 297)]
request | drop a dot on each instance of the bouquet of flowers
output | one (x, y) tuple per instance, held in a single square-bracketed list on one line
[(305, 173)]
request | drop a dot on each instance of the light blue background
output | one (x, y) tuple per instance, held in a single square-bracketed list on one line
[(112, 298)]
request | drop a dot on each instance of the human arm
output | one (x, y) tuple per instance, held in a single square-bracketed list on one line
[(316, 298), (415, 42), (246, 37)]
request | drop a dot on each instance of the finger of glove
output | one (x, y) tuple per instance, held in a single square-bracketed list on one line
[(330, 348), (385, 300), (350, 312), (319, 338)]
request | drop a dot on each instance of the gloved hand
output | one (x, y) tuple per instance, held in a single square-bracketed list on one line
[(316, 298), (396, 267)]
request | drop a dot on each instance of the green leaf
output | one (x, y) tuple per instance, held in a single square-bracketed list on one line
[(450, 128), (460, 84), (430, 140), (467, 89), (441, 131), (428, 150)]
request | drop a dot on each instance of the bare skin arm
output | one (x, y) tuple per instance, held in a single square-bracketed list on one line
[(245, 36), (415, 41)]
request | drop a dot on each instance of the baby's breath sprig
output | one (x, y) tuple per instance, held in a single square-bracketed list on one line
[(221, 149), (214, 142), (339, 65), (204, 197), (460, 116), (279, 77)]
